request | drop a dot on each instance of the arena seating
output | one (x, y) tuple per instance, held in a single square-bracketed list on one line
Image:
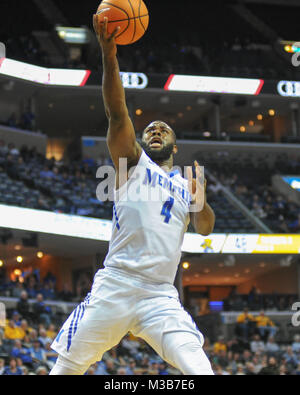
[(249, 177), (241, 51)]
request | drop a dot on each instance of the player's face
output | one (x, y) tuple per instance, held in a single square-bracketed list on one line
[(158, 141)]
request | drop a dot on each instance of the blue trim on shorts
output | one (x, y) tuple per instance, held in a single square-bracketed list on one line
[(77, 320), (116, 216)]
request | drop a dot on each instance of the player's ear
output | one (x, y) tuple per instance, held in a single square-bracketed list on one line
[(175, 149)]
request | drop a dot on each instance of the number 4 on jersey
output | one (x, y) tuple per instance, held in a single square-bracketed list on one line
[(166, 210)]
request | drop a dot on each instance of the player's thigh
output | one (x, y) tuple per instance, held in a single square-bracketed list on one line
[(95, 326), (159, 316)]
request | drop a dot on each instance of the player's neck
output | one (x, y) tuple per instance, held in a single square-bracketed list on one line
[(166, 164)]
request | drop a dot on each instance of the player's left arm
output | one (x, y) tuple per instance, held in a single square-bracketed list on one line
[(202, 217)]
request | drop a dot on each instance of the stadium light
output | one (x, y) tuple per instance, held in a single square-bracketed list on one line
[(73, 35)]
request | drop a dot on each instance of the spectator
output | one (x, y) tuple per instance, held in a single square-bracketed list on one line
[(296, 344), (23, 306), (220, 345), (38, 353), (65, 295), (13, 150), (131, 367), (5, 347), (266, 327), (291, 358), (100, 369), (271, 368), (42, 313), (51, 355), (250, 369), (162, 368), (271, 346), (17, 290), (48, 291), (283, 370), (25, 370), (245, 324), (121, 371), (3, 148), (51, 332), (16, 318), (256, 360), (110, 367), (41, 371), (43, 338), (19, 351), (257, 344), (46, 173), (12, 369), (240, 370), (12, 331), (132, 346), (31, 287)]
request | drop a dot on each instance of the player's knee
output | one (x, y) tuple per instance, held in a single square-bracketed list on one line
[(185, 352), (65, 367)]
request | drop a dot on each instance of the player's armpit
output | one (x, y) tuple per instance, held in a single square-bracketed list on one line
[(121, 141)]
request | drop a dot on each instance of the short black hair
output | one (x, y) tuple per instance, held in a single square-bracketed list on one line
[(174, 134)]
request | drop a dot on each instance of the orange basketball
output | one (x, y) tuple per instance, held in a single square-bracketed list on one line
[(131, 15)]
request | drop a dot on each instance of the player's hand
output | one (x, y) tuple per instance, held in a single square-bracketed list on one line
[(197, 187), (106, 40)]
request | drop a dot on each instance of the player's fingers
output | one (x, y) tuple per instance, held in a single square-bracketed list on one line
[(102, 28), (95, 23), (105, 20), (191, 180), (115, 32), (189, 173), (198, 170)]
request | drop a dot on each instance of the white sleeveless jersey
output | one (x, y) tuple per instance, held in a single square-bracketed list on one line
[(150, 218)]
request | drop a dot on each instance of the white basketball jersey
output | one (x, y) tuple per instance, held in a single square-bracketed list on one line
[(150, 218)]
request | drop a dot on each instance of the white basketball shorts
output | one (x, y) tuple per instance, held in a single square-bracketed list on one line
[(116, 305)]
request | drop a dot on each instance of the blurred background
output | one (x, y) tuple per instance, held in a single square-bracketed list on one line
[(225, 75)]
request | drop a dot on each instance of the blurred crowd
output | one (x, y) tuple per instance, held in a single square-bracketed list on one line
[(256, 300), (47, 184), (26, 121), (25, 349), (30, 285), (33, 323), (255, 357), (249, 177)]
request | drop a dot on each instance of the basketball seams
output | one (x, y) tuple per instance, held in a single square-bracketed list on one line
[(130, 19), (125, 12), (141, 16), (134, 30)]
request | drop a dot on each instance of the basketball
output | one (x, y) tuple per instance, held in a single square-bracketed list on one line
[(131, 15)]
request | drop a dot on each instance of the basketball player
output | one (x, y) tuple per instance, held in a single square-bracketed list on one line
[(135, 292)]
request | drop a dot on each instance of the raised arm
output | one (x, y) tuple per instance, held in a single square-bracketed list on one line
[(121, 139)]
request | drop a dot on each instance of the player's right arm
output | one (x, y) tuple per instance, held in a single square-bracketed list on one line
[(121, 139)]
